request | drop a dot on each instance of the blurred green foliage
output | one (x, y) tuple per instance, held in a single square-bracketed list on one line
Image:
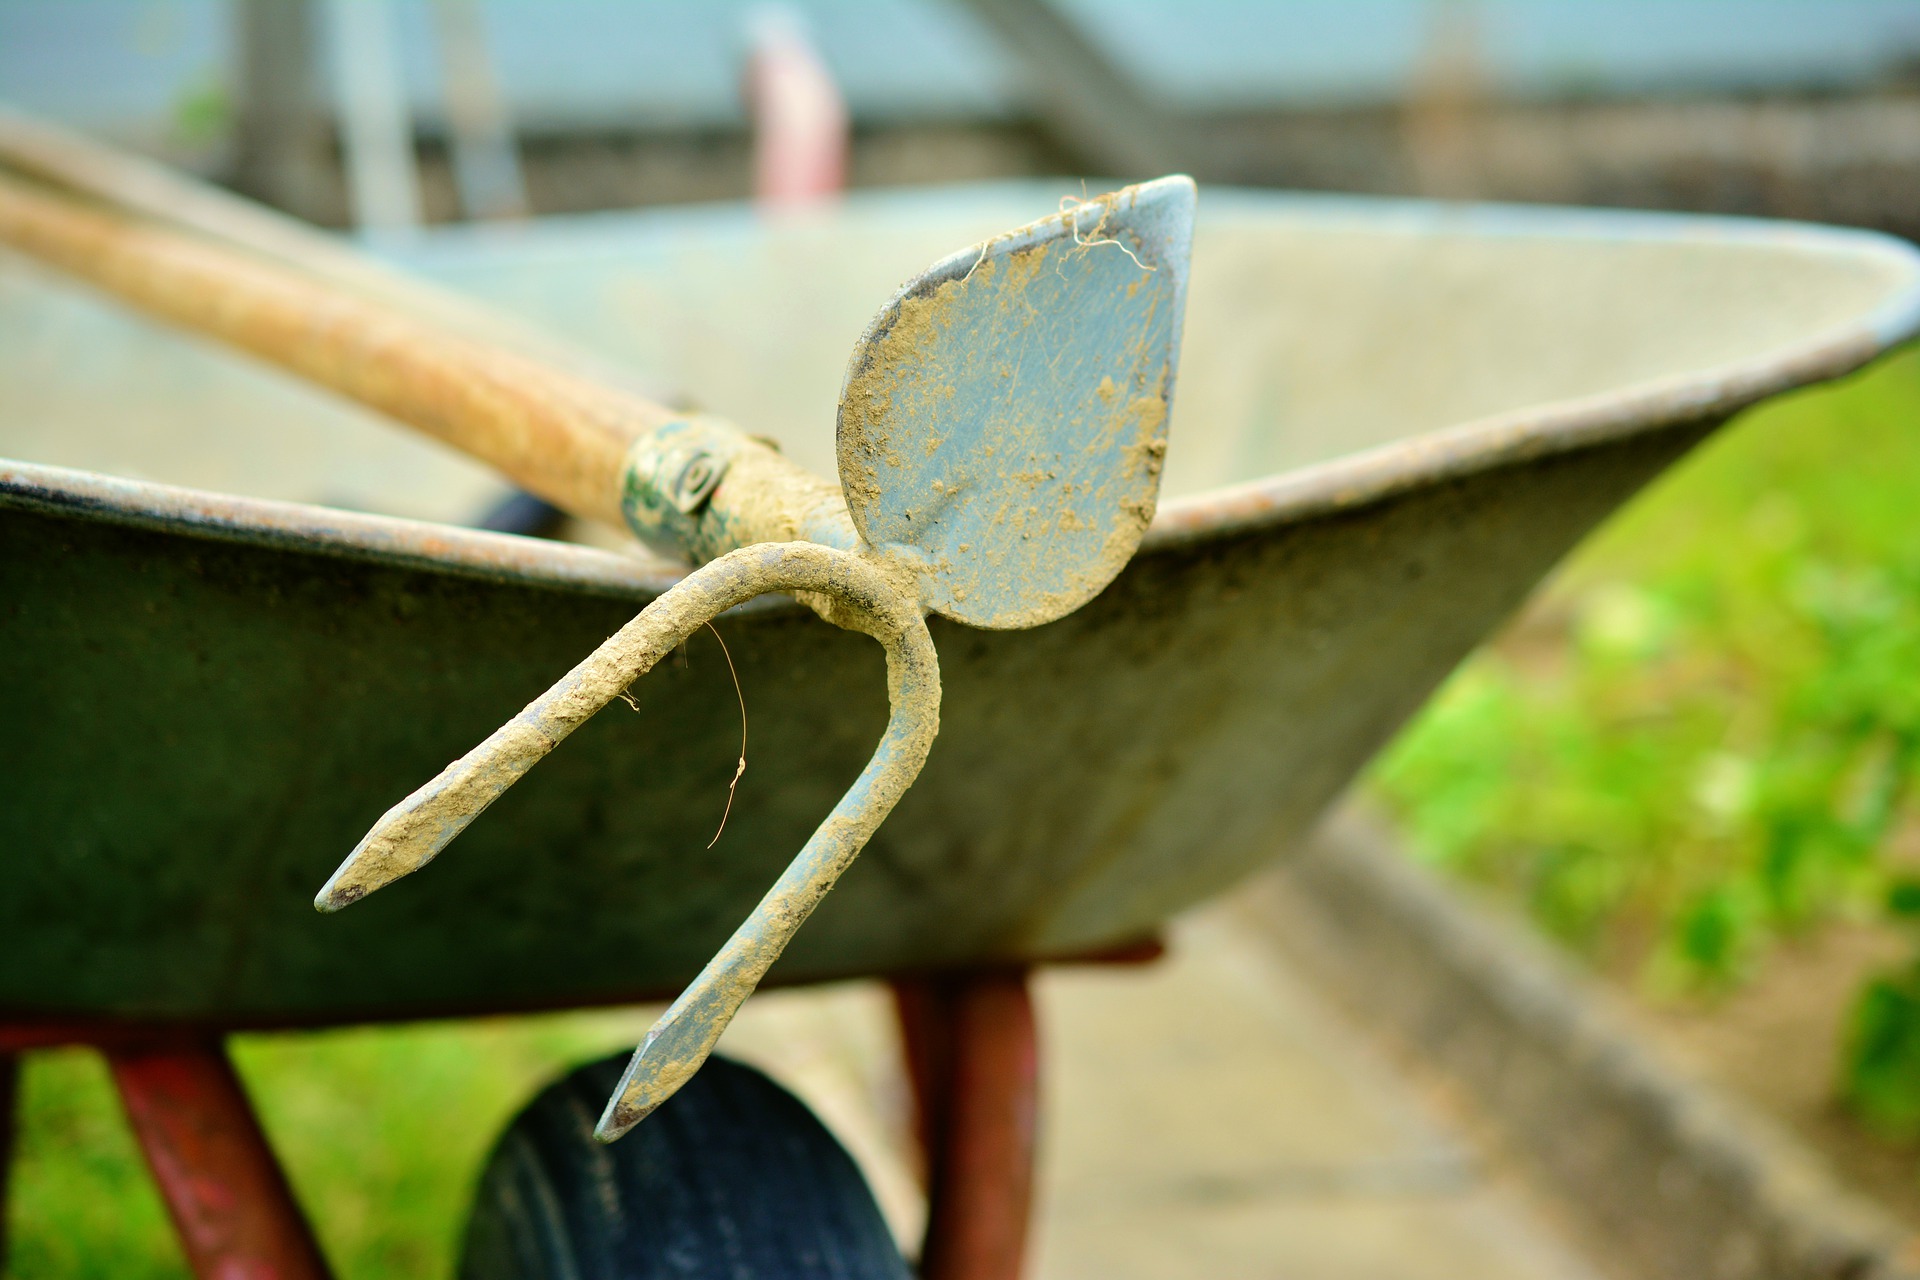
[(202, 113), (1704, 736), (1882, 1054), (80, 1200)]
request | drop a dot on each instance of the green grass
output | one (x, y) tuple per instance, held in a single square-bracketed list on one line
[(383, 1132), (1704, 735)]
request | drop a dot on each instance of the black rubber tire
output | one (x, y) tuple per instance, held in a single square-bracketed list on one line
[(731, 1179)]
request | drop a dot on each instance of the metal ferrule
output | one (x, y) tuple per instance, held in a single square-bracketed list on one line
[(699, 487)]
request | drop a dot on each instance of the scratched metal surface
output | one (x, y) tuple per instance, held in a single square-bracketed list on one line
[(1003, 424), (208, 698)]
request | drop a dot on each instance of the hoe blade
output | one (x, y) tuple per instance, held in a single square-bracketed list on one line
[(1004, 419)]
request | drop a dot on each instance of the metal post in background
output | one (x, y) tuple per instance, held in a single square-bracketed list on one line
[(801, 129), (1445, 103), (1086, 100), (280, 142), (376, 122), (486, 167)]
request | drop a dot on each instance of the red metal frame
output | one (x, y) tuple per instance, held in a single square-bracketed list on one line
[(228, 1197), (974, 1060), (972, 1054)]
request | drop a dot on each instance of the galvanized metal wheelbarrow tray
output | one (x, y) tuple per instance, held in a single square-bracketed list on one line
[(1393, 419)]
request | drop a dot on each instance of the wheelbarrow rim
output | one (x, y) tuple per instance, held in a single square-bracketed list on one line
[(1348, 483), (1711, 393)]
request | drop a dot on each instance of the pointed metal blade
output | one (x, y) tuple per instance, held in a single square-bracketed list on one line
[(1004, 419)]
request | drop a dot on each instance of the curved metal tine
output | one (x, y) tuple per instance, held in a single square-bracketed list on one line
[(413, 832), (685, 1034)]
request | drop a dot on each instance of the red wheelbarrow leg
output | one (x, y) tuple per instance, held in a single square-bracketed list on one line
[(226, 1193), (974, 1061)]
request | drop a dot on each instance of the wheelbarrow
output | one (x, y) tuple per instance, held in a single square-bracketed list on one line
[(1392, 419)]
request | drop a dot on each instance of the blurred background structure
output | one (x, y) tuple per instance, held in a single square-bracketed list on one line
[(1775, 107)]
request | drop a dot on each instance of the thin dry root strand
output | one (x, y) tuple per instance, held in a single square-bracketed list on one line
[(412, 833), (741, 770), (1072, 208), (977, 261)]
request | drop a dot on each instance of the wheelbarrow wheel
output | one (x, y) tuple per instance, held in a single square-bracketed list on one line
[(732, 1177)]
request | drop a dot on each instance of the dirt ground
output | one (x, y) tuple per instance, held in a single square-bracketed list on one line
[(1208, 1115), (1775, 1042)]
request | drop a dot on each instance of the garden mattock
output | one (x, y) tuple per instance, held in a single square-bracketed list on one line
[(1001, 432)]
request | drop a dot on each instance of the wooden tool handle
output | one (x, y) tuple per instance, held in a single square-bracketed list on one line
[(552, 433), (101, 174)]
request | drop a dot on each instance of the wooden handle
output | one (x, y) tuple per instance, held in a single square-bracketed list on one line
[(554, 434), (103, 175)]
